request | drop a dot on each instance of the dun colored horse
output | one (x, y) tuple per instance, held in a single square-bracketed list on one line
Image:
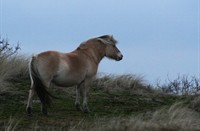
[(68, 69)]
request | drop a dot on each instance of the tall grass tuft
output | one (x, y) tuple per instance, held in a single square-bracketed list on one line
[(11, 124), (119, 83), (172, 119), (13, 69)]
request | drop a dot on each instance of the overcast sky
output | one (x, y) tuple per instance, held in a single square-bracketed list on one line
[(156, 37)]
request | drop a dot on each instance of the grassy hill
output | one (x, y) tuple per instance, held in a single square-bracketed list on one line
[(116, 103), (119, 103)]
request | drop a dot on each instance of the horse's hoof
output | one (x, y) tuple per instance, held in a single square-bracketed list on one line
[(30, 115), (86, 110), (29, 111), (78, 107), (44, 111)]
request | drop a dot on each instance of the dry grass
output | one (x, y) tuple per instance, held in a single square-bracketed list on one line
[(11, 124), (12, 69), (174, 118), (119, 83)]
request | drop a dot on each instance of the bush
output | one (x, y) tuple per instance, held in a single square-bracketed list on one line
[(182, 85), (6, 50), (12, 66)]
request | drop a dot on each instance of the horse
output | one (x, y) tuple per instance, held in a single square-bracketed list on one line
[(76, 68)]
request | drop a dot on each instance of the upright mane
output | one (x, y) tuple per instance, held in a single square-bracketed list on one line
[(106, 39), (109, 39)]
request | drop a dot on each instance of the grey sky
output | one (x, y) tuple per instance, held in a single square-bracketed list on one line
[(157, 37)]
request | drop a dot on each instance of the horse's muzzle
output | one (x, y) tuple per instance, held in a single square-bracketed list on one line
[(120, 56)]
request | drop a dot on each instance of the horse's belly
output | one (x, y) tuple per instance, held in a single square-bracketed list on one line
[(66, 77), (67, 81)]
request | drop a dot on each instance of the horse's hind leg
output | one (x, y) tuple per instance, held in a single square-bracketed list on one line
[(30, 101), (44, 109), (47, 84)]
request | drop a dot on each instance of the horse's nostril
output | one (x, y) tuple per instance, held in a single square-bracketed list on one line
[(121, 57)]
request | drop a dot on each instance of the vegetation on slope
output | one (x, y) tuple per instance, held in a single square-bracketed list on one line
[(123, 102)]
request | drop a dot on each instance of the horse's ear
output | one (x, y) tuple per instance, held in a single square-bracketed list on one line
[(111, 37)]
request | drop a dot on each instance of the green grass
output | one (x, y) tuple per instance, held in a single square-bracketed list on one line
[(103, 105)]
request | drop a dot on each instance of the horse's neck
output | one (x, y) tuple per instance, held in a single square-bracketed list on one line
[(95, 52), (98, 52), (93, 55)]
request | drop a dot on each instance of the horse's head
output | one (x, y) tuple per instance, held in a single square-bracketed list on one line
[(111, 50)]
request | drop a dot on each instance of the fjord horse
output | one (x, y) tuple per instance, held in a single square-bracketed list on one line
[(68, 69)]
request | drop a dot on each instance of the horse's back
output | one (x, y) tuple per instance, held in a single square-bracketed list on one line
[(63, 69), (48, 55)]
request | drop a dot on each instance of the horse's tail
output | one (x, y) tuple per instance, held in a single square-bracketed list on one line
[(38, 85)]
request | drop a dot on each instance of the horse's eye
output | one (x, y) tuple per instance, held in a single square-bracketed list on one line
[(114, 46)]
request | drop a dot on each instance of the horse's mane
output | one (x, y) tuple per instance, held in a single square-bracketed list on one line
[(106, 39), (109, 38), (104, 36)]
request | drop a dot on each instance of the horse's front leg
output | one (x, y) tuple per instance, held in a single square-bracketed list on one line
[(77, 102), (85, 92), (85, 100)]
